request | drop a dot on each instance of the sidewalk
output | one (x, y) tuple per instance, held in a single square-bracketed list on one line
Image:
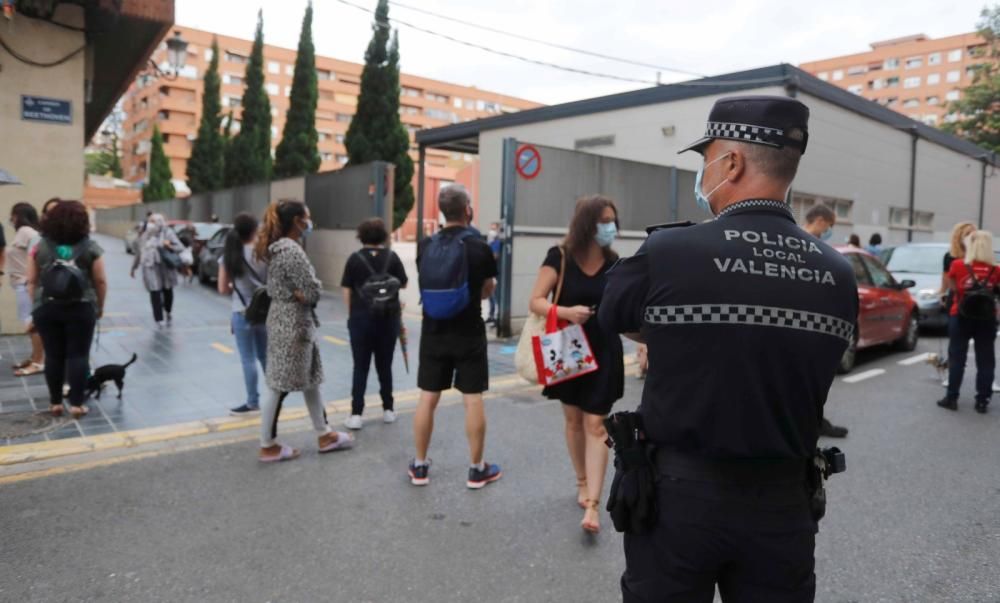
[(190, 370)]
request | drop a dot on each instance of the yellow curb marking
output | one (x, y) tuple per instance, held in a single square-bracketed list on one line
[(335, 340), (222, 348)]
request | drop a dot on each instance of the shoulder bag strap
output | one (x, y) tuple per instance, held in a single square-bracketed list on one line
[(562, 275), (253, 272)]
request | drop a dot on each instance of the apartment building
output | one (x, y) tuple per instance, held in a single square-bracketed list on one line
[(915, 75), (175, 104)]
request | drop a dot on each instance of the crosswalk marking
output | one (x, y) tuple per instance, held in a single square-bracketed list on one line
[(222, 348), (913, 359), (334, 340), (863, 376)]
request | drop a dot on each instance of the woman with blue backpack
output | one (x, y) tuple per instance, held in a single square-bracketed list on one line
[(67, 281), (975, 281), (241, 274), (372, 279)]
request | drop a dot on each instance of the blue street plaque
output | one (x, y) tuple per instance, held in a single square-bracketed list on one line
[(51, 110)]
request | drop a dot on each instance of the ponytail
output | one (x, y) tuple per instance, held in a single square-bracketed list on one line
[(278, 221)]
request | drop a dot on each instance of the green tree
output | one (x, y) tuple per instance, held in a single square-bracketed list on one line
[(248, 158), (105, 161), (376, 132), (297, 153), (978, 110), (205, 168), (115, 162), (158, 185)]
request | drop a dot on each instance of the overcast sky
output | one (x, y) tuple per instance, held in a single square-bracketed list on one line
[(701, 37)]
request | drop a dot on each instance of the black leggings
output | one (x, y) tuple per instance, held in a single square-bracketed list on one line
[(66, 332), (161, 300)]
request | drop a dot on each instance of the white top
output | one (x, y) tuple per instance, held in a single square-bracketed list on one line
[(251, 279)]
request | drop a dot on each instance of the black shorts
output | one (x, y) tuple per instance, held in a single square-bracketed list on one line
[(448, 359)]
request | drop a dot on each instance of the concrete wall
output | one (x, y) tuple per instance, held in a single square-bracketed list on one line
[(46, 157)]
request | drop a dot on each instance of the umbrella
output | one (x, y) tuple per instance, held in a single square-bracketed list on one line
[(7, 178), (402, 345)]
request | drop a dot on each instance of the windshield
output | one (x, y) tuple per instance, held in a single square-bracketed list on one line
[(919, 260), (205, 230)]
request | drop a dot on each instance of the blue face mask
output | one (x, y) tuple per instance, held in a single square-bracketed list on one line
[(606, 233), (701, 197), (826, 234), (309, 227)]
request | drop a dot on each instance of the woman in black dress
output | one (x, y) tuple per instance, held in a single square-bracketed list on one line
[(586, 400)]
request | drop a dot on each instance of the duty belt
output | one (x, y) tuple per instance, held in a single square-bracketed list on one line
[(755, 471)]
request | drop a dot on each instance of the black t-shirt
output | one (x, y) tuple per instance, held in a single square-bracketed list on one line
[(482, 267), (356, 272)]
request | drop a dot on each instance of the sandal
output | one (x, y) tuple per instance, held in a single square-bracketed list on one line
[(78, 411), (56, 410), (344, 441), (581, 492), (21, 365), (593, 527), (33, 368), (287, 453)]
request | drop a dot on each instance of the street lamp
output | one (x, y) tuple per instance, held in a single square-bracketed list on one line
[(176, 57)]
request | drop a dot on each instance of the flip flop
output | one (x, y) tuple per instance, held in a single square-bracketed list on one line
[(78, 411), (56, 410), (33, 368), (21, 365), (344, 442), (287, 453)]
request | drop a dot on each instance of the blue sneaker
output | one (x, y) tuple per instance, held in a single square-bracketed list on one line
[(419, 475), (244, 411), (479, 478)]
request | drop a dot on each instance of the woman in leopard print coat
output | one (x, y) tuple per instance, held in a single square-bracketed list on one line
[(293, 360)]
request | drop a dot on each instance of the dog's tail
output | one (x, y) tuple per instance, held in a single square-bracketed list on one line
[(134, 358)]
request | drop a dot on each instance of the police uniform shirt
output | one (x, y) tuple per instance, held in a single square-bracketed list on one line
[(746, 318)]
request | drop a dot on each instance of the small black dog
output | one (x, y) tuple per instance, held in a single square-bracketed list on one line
[(108, 372)]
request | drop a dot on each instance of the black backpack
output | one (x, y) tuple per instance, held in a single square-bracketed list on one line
[(979, 300), (380, 291), (63, 281)]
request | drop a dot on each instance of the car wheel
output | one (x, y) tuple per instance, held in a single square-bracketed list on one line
[(849, 358), (908, 342)]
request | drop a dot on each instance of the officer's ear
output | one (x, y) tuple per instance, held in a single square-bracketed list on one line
[(735, 164)]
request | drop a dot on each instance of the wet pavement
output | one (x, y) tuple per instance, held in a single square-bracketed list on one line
[(190, 370)]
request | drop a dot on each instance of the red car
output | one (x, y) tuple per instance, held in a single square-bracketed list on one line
[(887, 312)]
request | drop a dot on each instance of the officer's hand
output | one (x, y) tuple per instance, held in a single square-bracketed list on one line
[(577, 314)]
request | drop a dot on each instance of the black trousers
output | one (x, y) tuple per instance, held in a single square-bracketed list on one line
[(983, 334), (372, 337), (67, 332), (755, 542), (161, 300)]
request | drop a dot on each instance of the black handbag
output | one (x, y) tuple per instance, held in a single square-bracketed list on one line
[(169, 258)]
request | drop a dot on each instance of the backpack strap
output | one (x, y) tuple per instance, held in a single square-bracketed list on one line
[(366, 263)]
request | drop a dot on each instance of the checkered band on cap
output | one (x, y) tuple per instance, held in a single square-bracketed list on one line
[(743, 132), (740, 314)]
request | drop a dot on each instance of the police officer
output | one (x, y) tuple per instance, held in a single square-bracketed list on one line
[(746, 318)]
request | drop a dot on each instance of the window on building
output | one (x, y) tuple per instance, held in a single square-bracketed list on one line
[(855, 88), (876, 84), (407, 91), (324, 74), (438, 98), (235, 101), (346, 99), (954, 76), (208, 54), (892, 63), (232, 57), (823, 75), (930, 120), (338, 138), (857, 70), (274, 67), (457, 102), (911, 103), (441, 115), (231, 78), (409, 110), (892, 82), (914, 63), (955, 56), (189, 71), (951, 118), (976, 51), (912, 82), (342, 159), (272, 89), (953, 95), (803, 202), (288, 91), (970, 72), (933, 79), (933, 100), (838, 75), (163, 115), (892, 101), (899, 217), (344, 118), (289, 69), (326, 156), (934, 58)]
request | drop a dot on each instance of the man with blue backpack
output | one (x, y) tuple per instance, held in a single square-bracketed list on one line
[(457, 271)]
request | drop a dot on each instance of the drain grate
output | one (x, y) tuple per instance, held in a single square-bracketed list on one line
[(22, 423)]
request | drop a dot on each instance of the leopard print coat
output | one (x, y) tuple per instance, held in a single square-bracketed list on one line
[(293, 362)]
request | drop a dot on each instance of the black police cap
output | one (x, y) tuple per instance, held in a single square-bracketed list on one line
[(766, 120)]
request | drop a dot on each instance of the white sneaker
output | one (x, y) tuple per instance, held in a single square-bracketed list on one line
[(996, 388), (389, 416), (944, 383), (354, 422)]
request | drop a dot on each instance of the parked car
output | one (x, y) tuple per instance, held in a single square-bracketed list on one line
[(922, 263), (887, 313), (208, 259)]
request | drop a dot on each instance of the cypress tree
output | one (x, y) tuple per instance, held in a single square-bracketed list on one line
[(206, 165), (297, 153), (116, 162), (376, 132), (158, 185), (248, 159)]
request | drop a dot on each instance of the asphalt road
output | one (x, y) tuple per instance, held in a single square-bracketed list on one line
[(913, 519)]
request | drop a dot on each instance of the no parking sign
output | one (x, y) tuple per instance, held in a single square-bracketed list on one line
[(528, 161)]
